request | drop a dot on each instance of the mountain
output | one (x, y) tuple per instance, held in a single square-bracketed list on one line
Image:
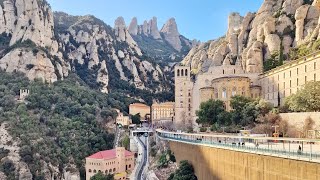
[(280, 31), (166, 45), (50, 46)]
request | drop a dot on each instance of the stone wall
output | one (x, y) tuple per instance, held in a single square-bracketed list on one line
[(219, 164), (297, 119)]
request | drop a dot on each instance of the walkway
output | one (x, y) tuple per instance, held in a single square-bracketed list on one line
[(279, 147)]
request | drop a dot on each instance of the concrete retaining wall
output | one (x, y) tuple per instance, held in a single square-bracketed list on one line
[(219, 164)]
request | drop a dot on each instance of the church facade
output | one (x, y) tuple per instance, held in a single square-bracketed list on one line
[(227, 80)]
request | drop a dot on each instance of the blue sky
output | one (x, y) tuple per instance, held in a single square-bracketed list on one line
[(197, 19)]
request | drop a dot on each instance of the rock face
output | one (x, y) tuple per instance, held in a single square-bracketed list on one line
[(251, 40), (171, 34), (49, 46)]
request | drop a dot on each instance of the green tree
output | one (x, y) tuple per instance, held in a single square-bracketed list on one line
[(100, 176), (136, 119), (126, 142), (306, 99), (185, 172), (209, 112)]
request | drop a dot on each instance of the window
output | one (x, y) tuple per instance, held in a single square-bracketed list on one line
[(297, 81), (129, 165), (284, 75), (315, 77), (315, 65), (290, 73), (110, 170), (90, 170), (234, 71), (94, 171), (290, 83), (114, 169), (234, 91), (216, 94), (186, 72), (106, 172), (223, 72), (224, 93), (297, 70), (284, 85), (305, 68), (305, 79), (178, 72)]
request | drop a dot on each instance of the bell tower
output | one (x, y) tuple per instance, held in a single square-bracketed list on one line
[(183, 95)]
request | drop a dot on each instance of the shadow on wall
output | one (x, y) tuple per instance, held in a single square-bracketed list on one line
[(201, 160), (220, 164)]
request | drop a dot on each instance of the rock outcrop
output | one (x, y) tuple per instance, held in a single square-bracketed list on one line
[(171, 34), (277, 27)]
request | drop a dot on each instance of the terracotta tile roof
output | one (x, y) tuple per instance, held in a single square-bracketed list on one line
[(108, 154)]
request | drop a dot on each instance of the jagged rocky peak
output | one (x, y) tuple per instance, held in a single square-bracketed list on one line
[(153, 28), (28, 19), (171, 34), (123, 34), (148, 28), (133, 27), (277, 27)]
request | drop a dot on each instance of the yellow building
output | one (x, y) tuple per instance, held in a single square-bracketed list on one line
[(116, 161), (123, 120), (224, 88), (285, 80), (163, 112), (139, 108)]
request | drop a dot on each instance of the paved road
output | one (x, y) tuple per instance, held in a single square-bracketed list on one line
[(143, 162)]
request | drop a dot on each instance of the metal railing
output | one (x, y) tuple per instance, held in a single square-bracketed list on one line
[(301, 149)]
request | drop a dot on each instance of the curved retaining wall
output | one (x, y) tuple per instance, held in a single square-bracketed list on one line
[(220, 164)]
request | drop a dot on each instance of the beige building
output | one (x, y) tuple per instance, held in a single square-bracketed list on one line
[(116, 161), (224, 81), (218, 82), (123, 120), (163, 112), (139, 108), (285, 80), (183, 95)]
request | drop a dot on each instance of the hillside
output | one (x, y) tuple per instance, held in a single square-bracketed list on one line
[(281, 30), (50, 46), (49, 135)]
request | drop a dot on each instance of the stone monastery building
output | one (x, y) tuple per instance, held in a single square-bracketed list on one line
[(223, 82)]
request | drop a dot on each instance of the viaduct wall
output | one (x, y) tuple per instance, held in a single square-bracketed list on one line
[(220, 164)]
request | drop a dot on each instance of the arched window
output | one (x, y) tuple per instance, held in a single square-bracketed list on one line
[(181, 72), (223, 72), (186, 72), (90, 170), (234, 71), (99, 171), (178, 72), (234, 91), (106, 172), (94, 171), (114, 169), (224, 93), (129, 165), (110, 170), (216, 94)]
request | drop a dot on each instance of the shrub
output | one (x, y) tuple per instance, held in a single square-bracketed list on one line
[(203, 129)]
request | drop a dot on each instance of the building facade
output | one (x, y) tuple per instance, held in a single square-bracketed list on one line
[(123, 120), (218, 83), (224, 81), (183, 95), (162, 113), (139, 108), (116, 161), (285, 80)]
